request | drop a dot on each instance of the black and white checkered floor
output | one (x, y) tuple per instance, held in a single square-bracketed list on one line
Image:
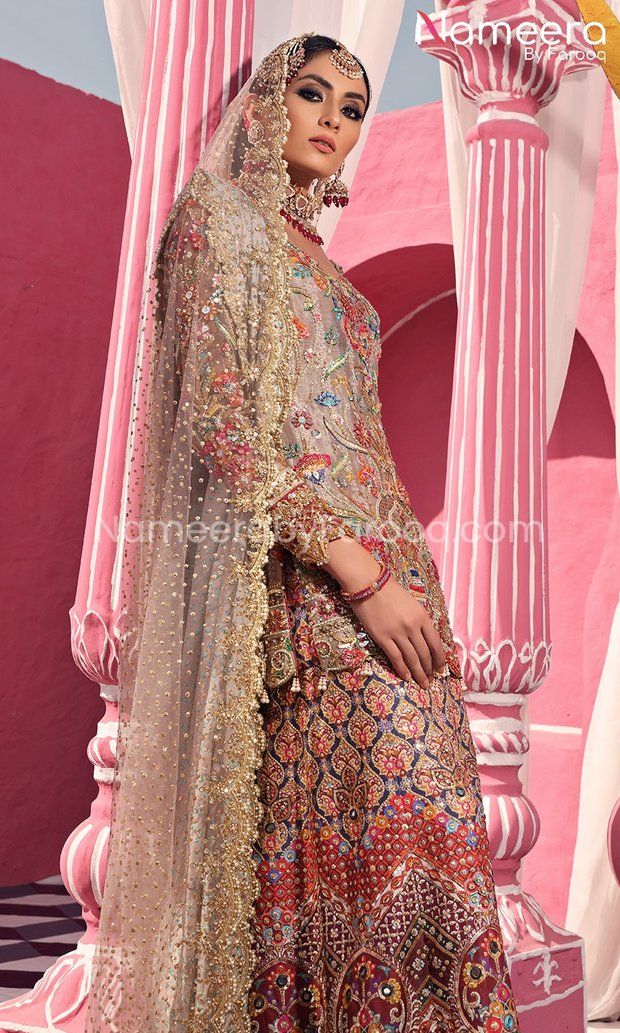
[(39, 922)]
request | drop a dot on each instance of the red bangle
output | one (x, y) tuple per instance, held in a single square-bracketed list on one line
[(374, 586)]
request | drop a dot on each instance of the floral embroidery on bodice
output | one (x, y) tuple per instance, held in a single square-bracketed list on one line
[(334, 437), (334, 433)]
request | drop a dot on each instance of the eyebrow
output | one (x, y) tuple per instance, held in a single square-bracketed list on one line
[(329, 86)]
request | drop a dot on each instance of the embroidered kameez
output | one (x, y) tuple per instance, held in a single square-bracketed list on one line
[(377, 907)]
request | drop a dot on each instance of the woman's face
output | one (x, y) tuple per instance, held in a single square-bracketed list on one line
[(320, 101)]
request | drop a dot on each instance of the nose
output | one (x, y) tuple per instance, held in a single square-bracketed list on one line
[(332, 120)]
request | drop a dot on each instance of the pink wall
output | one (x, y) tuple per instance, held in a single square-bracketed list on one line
[(63, 208), (65, 175)]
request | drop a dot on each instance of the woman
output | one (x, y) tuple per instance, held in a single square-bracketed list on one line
[(298, 841)]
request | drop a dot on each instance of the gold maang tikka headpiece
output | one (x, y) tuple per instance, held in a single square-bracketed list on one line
[(302, 208), (345, 62), (341, 58)]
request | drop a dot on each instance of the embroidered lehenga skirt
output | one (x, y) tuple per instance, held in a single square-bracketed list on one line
[(376, 909)]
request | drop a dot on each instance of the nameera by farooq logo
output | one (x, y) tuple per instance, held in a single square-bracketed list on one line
[(599, 30)]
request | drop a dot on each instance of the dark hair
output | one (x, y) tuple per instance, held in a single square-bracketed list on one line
[(318, 44)]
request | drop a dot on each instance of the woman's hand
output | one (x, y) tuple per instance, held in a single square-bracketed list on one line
[(397, 622)]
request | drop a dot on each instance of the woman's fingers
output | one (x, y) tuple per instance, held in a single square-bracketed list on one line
[(431, 636), (421, 647), (395, 657), (407, 663), (412, 660)]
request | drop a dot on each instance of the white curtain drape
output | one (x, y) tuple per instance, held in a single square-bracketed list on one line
[(594, 901), (127, 22)]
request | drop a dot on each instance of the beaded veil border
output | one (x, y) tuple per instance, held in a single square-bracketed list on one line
[(174, 951)]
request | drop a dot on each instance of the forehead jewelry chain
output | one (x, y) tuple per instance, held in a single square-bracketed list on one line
[(343, 60)]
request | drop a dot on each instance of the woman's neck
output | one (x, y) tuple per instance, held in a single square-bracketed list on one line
[(300, 178)]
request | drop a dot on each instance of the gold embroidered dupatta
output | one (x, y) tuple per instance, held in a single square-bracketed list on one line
[(174, 948)]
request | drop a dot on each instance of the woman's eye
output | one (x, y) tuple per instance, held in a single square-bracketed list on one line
[(309, 93), (356, 112)]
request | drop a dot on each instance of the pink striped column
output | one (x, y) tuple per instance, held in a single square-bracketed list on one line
[(495, 561), (198, 55)]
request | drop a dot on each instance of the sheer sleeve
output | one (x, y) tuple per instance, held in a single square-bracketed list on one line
[(222, 435)]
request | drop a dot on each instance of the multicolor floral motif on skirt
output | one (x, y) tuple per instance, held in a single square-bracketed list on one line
[(377, 910)]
